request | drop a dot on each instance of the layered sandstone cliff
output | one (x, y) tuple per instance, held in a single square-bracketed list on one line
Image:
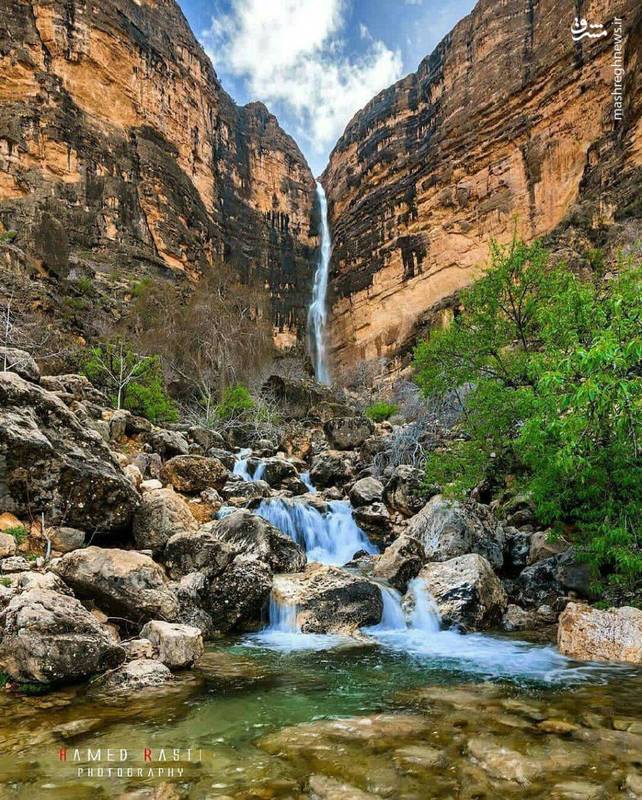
[(121, 155), (508, 123)]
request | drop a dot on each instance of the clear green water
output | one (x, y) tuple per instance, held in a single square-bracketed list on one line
[(260, 723)]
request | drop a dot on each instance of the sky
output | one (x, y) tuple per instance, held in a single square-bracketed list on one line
[(314, 63)]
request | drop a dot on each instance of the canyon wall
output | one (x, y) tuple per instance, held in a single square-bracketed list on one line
[(122, 156), (508, 124)]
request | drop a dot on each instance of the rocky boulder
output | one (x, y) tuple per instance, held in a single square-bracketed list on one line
[(53, 464), (248, 534), (366, 491), (194, 474), (401, 562), (20, 362), (466, 590), (297, 399), (448, 529), (196, 552), (547, 582), (135, 676), (168, 443), (65, 539), (332, 468), (406, 490), (329, 599), (588, 634), (348, 433), (237, 597), (123, 582), (161, 514), (51, 638), (374, 520), (277, 470), (7, 545), (178, 646)]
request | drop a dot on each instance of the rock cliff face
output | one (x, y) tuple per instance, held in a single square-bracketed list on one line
[(509, 122), (120, 153)]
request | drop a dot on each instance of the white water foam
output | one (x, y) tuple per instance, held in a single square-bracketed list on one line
[(330, 538)]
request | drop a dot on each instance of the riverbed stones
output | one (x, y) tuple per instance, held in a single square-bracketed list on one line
[(51, 638), (162, 514), (329, 600), (589, 634), (366, 491), (448, 528), (193, 474), (178, 646), (400, 562), (135, 676), (466, 590), (407, 491), (54, 464), (123, 582), (348, 433), (246, 533)]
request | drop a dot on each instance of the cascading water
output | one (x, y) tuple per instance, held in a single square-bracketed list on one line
[(330, 538), (244, 469), (317, 314)]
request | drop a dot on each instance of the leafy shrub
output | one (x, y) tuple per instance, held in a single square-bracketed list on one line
[(556, 369), (236, 400), (19, 532), (380, 411)]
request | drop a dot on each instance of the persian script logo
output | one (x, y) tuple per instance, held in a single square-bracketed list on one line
[(581, 29)]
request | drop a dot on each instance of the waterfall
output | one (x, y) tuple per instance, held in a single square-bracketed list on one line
[(242, 467), (317, 314), (425, 614), (392, 618), (282, 616), (330, 538)]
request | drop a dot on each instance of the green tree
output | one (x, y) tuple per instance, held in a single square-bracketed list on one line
[(132, 381), (555, 365)]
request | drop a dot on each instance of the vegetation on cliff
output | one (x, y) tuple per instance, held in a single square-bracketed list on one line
[(556, 368)]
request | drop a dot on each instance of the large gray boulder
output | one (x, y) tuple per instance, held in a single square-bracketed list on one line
[(401, 562), (466, 590), (168, 443), (51, 638), (329, 599), (366, 491), (407, 491), (348, 433), (246, 533), (54, 464), (332, 468), (122, 582), (277, 470), (237, 597), (448, 528), (202, 552), (194, 474), (161, 514), (547, 582)]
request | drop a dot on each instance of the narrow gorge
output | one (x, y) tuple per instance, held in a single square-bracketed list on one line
[(320, 488)]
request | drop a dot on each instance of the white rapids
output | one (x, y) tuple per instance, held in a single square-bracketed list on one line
[(317, 313), (330, 538)]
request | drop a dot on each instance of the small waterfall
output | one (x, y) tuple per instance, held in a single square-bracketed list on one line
[(243, 468), (330, 538), (305, 477), (282, 617), (392, 618), (317, 314), (425, 614)]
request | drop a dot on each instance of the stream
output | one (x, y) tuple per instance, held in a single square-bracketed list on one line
[(406, 711)]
